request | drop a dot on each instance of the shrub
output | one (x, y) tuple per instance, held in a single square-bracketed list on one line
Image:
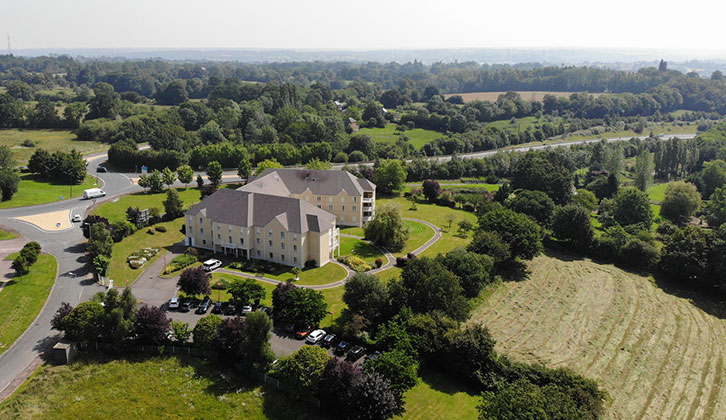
[(310, 263), (27, 143), (180, 262), (355, 263), (140, 257), (379, 263), (160, 228), (401, 261)]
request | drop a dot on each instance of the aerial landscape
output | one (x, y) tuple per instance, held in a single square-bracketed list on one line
[(398, 210)]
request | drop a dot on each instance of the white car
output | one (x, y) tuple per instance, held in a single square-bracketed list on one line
[(246, 309), (174, 303), (77, 218), (212, 264), (315, 336)]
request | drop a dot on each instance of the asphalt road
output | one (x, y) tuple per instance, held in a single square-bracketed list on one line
[(75, 282)]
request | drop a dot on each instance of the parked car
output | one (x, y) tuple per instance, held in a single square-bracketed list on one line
[(202, 309), (342, 347), (302, 333), (355, 353), (77, 218), (217, 308), (211, 264), (246, 309), (185, 306), (173, 303), (290, 327), (230, 310), (101, 169), (267, 311), (315, 336), (328, 340), (376, 354)]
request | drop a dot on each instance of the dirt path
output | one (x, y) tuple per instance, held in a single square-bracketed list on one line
[(658, 355)]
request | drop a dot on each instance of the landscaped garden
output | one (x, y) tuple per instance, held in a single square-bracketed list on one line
[(23, 297), (361, 249), (329, 273)]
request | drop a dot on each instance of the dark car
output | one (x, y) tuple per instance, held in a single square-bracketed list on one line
[(267, 311), (230, 310), (355, 353), (376, 354), (302, 333), (217, 308), (328, 340), (185, 306), (101, 169), (342, 347), (202, 309)]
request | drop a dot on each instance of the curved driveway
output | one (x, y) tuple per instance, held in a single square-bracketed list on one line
[(76, 284)]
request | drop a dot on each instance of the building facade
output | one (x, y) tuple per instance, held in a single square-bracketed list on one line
[(284, 230), (352, 200)]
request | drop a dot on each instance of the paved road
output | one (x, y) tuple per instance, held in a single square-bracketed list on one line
[(75, 283)]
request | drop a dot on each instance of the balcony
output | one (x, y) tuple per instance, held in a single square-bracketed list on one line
[(367, 199), (367, 218)]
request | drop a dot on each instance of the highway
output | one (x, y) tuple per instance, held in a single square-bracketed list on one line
[(75, 282)]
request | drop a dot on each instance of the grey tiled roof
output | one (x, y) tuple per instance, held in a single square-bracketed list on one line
[(247, 209), (297, 181)]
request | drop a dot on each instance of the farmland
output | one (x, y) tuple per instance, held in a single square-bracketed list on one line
[(51, 140), (525, 95), (657, 355), (388, 134)]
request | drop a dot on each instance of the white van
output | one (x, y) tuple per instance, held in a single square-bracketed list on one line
[(93, 193), (210, 265)]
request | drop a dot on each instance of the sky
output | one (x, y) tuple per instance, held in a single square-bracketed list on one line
[(694, 27)]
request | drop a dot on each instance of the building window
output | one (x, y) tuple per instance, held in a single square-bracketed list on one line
[(331, 199), (190, 229), (271, 257), (354, 209), (282, 257), (218, 227), (319, 199), (201, 230), (242, 241), (219, 237), (282, 245), (200, 220), (294, 248), (269, 233), (204, 241), (342, 199), (330, 207), (230, 239), (270, 243), (282, 235), (191, 219), (258, 241), (355, 199), (319, 206), (342, 208), (294, 259), (257, 231), (294, 237), (258, 252), (354, 219)]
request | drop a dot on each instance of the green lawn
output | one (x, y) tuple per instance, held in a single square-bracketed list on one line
[(456, 185), (329, 273), (389, 274), (361, 249), (522, 124), (437, 396), (656, 192), (33, 190), (51, 140), (417, 137), (356, 231), (146, 388), (119, 269), (5, 235), (448, 242), (115, 211), (418, 235), (430, 212), (23, 297)]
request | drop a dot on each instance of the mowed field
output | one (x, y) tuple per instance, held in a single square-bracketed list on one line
[(525, 95), (51, 140), (657, 355)]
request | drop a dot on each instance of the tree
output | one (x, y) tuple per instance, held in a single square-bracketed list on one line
[(491, 244), (302, 370), (63, 311), (390, 176), (267, 164), (316, 163), (713, 176), (151, 324), (643, 170), (256, 349), (681, 201), (230, 336), (525, 400), (84, 322), (100, 241), (387, 228), (534, 171), (205, 332), (245, 291), (472, 270), (301, 306), (630, 206), (173, 205), (373, 399), (367, 296), (470, 355), (337, 384), (168, 176), (521, 234), (571, 223), (431, 190), (9, 181), (214, 173), (685, 255), (21, 90), (585, 199), (716, 207), (399, 366), (194, 281), (21, 265), (244, 169), (211, 133), (173, 93), (104, 102), (180, 331), (153, 181), (101, 264), (426, 285), (465, 226), (185, 174), (535, 204)]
